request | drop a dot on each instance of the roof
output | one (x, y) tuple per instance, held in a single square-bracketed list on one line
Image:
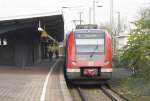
[(30, 16), (53, 23)]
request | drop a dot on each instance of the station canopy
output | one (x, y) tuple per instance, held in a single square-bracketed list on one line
[(53, 24)]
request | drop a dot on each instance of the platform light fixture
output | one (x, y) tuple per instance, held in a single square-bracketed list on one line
[(40, 28)]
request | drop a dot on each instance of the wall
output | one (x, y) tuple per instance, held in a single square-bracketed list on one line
[(23, 48)]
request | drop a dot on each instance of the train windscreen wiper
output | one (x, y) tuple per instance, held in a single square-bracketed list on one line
[(93, 52)]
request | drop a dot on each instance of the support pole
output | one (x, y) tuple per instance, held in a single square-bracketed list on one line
[(93, 11), (80, 17), (90, 15)]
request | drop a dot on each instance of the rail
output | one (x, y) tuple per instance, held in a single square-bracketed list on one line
[(81, 94)]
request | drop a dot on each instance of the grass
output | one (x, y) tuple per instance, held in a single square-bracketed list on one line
[(135, 89)]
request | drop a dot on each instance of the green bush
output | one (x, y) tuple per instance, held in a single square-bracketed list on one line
[(116, 62), (136, 53)]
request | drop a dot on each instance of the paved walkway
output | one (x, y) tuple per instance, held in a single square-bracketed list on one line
[(18, 84), (56, 88)]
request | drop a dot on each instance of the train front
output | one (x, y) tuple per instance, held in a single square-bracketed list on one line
[(90, 56)]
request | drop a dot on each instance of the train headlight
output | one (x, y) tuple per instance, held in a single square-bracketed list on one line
[(107, 62)]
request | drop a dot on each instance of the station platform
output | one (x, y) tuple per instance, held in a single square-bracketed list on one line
[(18, 84)]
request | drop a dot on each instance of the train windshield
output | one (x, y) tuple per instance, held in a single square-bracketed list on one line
[(90, 45)]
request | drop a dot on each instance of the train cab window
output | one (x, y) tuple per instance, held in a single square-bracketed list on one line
[(90, 45)]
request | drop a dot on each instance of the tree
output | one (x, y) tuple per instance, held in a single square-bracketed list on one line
[(137, 51)]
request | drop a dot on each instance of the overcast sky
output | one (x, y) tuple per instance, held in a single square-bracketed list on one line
[(129, 9)]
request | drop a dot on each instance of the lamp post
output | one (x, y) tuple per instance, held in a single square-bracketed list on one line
[(80, 14), (94, 6), (80, 17), (99, 6), (94, 11), (90, 15), (111, 24), (111, 14), (90, 12), (119, 24)]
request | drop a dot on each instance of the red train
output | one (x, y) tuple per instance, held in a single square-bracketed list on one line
[(88, 56)]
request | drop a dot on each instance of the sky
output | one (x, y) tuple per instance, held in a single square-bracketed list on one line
[(129, 9)]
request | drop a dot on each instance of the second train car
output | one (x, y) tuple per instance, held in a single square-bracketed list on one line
[(88, 56)]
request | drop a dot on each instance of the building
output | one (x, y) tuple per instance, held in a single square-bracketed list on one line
[(121, 40), (20, 41)]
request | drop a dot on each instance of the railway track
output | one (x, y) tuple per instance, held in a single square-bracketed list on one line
[(102, 93), (114, 95), (81, 94), (110, 94)]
